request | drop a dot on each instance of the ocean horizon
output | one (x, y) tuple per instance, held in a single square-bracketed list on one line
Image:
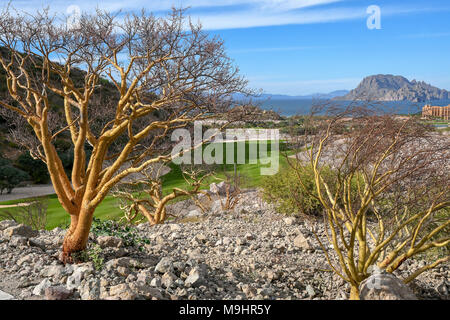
[(294, 107)]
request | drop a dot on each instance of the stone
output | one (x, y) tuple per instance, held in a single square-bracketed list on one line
[(310, 290), (226, 241), (442, 288), (201, 238), (126, 262), (213, 188), (194, 214), (122, 292), (90, 289), (289, 221), (24, 259), (220, 188), (18, 241), (164, 265), (109, 242), (55, 271), (123, 271), (168, 279), (249, 236), (36, 243), (144, 277), (5, 296), (174, 227), (80, 272), (155, 282), (385, 286), (273, 275), (39, 290), (195, 278), (20, 230), (5, 224), (301, 242), (57, 293), (147, 292)]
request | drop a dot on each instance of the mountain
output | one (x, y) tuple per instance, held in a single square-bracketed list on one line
[(387, 87)]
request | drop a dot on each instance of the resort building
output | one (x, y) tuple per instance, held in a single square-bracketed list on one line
[(437, 112)]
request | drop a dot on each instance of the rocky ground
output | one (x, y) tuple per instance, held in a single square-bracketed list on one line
[(249, 253)]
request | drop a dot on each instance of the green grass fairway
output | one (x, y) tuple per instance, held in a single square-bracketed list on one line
[(108, 209)]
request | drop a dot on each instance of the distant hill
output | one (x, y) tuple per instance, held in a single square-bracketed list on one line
[(395, 88)]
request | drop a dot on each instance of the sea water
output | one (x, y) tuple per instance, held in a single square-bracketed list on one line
[(303, 106)]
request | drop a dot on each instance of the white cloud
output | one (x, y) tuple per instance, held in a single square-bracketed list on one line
[(259, 19), (162, 5), (228, 14)]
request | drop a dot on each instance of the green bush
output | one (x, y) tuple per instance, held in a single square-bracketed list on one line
[(35, 168), (112, 228), (93, 253), (287, 193), (10, 177)]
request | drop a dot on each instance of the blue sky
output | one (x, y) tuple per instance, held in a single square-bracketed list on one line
[(305, 46)]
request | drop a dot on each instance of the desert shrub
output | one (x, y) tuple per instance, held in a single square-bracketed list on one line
[(92, 253), (290, 197), (127, 233)]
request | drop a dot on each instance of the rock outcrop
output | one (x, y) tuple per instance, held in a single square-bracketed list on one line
[(395, 88)]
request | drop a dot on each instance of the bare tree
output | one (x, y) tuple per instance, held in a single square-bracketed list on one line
[(383, 185), (166, 73)]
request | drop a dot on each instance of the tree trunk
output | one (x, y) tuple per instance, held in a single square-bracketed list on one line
[(76, 238), (354, 293)]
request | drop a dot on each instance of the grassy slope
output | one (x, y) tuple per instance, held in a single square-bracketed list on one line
[(108, 209)]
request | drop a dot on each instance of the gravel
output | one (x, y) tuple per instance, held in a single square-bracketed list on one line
[(248, 253)]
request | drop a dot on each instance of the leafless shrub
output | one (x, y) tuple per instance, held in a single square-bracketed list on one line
[(383, 185)]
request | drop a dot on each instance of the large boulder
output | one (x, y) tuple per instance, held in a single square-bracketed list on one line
[(220, 188), (5, 296), (57, 293), (5, 224), (385, 286)]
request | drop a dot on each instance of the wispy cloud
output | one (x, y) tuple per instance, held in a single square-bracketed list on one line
[(230, 14), (162, 5)]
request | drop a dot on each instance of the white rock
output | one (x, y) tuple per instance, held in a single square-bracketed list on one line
[(193, 214), (165, 265), (174, 227), (385, 286), (289, 221), (39, 290), (301, 242), (74, 281), (5, 296)]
